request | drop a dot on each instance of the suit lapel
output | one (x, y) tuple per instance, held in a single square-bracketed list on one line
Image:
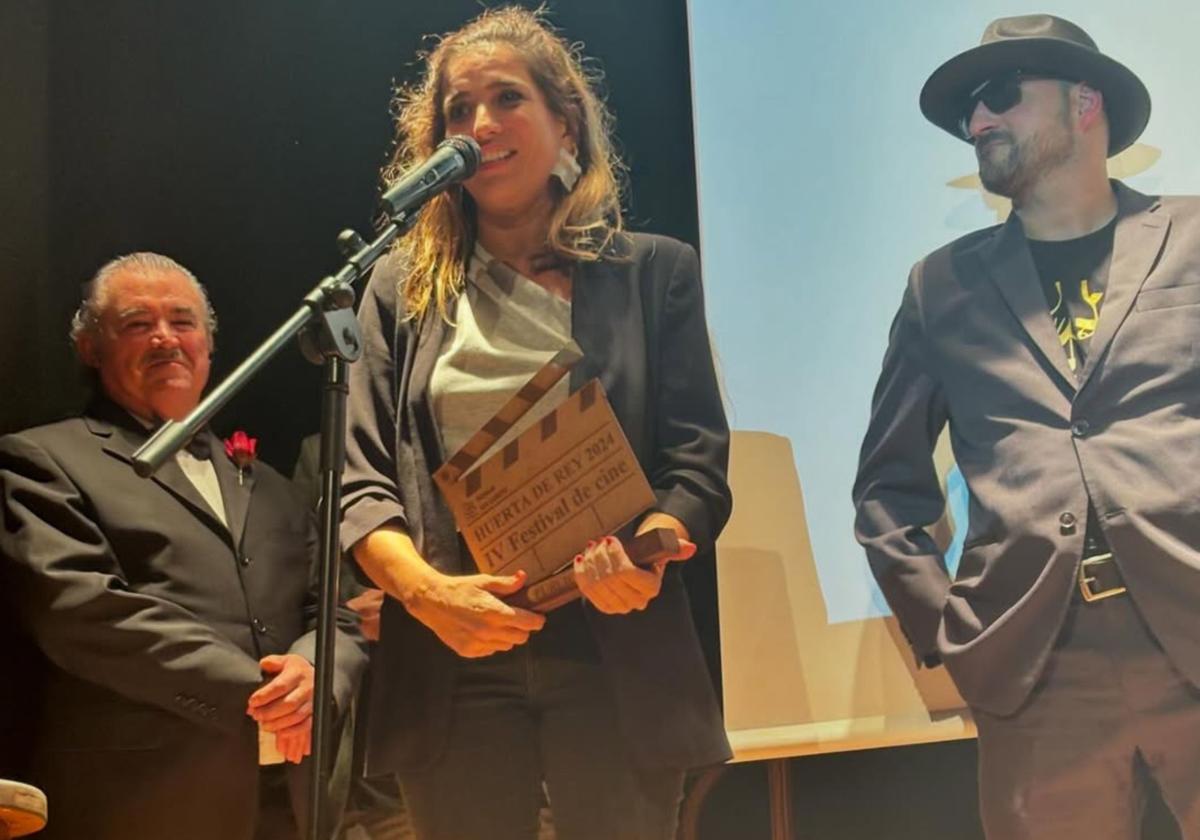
[(429, 338), (119, 438), (234, 493), (1137, 242), (429, 519), (591, 324), (1010, 266)]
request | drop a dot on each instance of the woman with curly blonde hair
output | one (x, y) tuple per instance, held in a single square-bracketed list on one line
[(475, 703), (585, 218)]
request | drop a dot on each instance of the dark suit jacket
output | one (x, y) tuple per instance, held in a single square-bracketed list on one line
[(153, 616), (639, 319), (973, 345)]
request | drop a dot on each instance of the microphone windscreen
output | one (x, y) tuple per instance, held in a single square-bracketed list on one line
[(468, 148)]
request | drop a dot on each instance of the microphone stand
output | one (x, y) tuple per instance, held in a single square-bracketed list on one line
[(329, 335)]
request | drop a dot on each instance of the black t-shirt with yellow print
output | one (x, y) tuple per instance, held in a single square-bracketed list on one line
[(1074, 274)]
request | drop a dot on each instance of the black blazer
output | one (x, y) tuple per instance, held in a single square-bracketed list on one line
[(639, 318), (152, 616)]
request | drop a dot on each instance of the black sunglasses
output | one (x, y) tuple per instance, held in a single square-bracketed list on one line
[(999, 93)]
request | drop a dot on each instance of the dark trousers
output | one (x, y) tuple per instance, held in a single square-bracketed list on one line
[(276, 805), (178, 791), (542, 712), (1109, 717)]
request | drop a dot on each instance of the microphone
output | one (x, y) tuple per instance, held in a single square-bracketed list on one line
[(455, 159)]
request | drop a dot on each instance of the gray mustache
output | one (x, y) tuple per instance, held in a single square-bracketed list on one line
[(156, 356)]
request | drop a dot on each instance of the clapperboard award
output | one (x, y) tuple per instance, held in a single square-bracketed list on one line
[(533, 504)]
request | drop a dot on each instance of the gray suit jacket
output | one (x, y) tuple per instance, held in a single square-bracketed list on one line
[(639, 319), (973, 345), (152, 616)]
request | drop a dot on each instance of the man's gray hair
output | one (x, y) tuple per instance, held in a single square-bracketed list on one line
[(86, 320)]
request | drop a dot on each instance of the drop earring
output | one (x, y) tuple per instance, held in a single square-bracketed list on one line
[(566, 169)]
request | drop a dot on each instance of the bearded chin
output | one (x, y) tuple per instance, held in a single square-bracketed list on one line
[(1011, 169), (1000, 167)]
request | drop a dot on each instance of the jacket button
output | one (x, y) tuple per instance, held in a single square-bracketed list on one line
[(1066, 524), (258, 625), (1080, 428), (245, 560)]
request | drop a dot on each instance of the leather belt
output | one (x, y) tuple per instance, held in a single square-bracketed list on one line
[(1099, 578)]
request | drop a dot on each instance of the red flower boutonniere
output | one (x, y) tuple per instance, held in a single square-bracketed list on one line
[(242, 450)]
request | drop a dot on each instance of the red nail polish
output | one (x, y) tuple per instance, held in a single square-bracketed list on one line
[(610, 541)]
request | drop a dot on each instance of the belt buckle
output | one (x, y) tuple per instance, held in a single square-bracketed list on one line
[(1085, 580)]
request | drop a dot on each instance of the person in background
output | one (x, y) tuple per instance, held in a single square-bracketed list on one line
[(176, 614)]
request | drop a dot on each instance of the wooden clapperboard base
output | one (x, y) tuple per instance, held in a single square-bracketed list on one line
[(569, 478)]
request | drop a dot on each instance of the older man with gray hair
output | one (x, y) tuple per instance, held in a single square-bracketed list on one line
[(175, 613)]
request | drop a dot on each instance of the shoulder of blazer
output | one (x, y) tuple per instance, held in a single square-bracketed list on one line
[(75, 450), (930, 275), (974, 242), (644, 259), (645, 247), (1183, 209), (386, 276), (61, 437)]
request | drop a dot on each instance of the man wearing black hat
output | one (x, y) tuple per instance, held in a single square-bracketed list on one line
[(1063, 350)]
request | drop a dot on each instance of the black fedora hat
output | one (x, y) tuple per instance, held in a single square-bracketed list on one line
[(1045, 45)]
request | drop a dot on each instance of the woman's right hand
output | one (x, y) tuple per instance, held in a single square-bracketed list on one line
[(467, 614)]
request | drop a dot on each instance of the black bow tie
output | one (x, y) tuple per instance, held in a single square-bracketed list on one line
[(199, 446)]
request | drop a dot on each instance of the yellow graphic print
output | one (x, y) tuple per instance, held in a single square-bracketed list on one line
[(1073, 332)]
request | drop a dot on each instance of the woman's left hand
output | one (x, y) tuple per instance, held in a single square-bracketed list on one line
[(368, 605), (609, 580)]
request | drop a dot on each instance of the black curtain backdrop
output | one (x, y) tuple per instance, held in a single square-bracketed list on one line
[(240, 138)]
